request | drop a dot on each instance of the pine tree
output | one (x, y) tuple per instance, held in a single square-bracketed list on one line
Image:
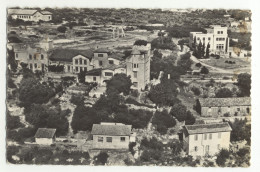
[(203, 50), (207, 51)]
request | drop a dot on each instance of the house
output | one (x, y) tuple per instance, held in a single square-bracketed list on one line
[(74, 61), (216, 37), (235, 106), (30, 15), (45, 136), (100, 58), (206, 139), (111, 135), (138, 66)]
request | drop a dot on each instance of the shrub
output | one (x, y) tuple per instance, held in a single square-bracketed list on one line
[(204, 70), (131, 147), (198, 65), (227, 115), (222, 156), (163, 121), (242, 152), (196, 91), (101, 158), (77, 99)]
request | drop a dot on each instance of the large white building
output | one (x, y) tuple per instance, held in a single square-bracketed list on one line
[(30, 15), (206, 139), (216, 37)]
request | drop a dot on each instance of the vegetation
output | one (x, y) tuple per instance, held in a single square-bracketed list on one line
[(152, 149), (183, 31), (163, 43), (77, 99), (244, 84), (140, 42), (240, 131), (222, 157), (184, 63), (61, 29), (224, 93), (101, 158), (179, 111), (163, 120), (119, 83), (13, 122), (204, 70)]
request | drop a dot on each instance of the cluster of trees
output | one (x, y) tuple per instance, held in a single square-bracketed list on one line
[(163, 42), (181, 42), (244, 84), (183, 31), (240, 131), (152, 149), (180, 112), (224, 93), (199, 50), (184, 63), (163, 120), (110, 108), (13, 122), (43, 116), (62, 29)]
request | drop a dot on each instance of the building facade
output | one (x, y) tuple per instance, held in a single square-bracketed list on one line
[(30, 15), (206, 139), (111, 136), (217, 107), (138, 66), (216, 37)]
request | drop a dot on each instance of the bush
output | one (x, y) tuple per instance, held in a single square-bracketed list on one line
[(131, 147), (204, 70), (140, 42), (61, 29), (227, 115), (77, 99), (242, 152), (101, 158), (222, 156), (163, 121), (224, 93), (196, 91), (198, 65)]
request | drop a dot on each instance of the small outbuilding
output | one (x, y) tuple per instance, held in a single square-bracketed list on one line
[(45, 136)]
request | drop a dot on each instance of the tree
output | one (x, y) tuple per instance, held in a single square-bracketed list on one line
[(197, 106), (32, 91), (13, 122), (101, 158), (203, 50), (77, 99), (119, 83), (184, 63), (224, 93), (207, 51), (176, 147), (199, 50), (11, 60), (222, 156), (61, 29), (204, 70), (190, 119), (140, 42), (81, 76), (244, 84), (240, 131), (179, 111), (163, 121)]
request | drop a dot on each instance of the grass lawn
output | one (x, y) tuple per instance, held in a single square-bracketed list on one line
[(220, 63)]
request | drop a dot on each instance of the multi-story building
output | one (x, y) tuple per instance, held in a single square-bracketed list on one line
[(206, 139), (74, 61), (216, 37), (217, 107), (30, 15), (138, 66)]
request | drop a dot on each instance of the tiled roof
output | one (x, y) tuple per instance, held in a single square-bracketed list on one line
[(208, 128), (46, 12), (220, 102), (45, 133), (94, 72), (21, 11), (113, 67), (111, 130), (68, 54), (118, 56), (101, 50)]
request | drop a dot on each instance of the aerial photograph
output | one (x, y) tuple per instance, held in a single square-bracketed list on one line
[(128, 87)]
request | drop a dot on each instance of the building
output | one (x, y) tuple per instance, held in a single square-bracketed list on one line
[(74, 61), (138, 66), (30, 15), (206, 139), (45, 136), (216, 37), (215, 107), (111, 136), (35, 58)]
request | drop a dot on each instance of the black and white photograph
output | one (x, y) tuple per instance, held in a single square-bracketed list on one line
[(128, 86)]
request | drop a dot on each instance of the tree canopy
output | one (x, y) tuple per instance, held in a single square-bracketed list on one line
[(244, 84), (119, 83)]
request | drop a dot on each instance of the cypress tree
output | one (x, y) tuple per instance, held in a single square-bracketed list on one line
[(207, 51), (203, 50)]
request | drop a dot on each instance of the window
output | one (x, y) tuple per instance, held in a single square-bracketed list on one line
[(42, 56), (108, 74), (111, 61), (69, 68), (209, 38), (109, 139), (221, 32), (122, 139), (135, 84), (100, 55), (238, 109), (76, 61), (207, 149), (80, 61), (210, 136), (85, 62), (35, 65), (219, 135), (205, 136), (30, 56), (135, 74), (85, 68), (43, 67), (16, 55), (198, 39), (247, 110), (218, 32), (77, 69), (100, 139), (34, 56), (135, 65), (100, 63), (220, 46), (31, 66), (94, 78), (196, 148), (196, 137), (203, 38)]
